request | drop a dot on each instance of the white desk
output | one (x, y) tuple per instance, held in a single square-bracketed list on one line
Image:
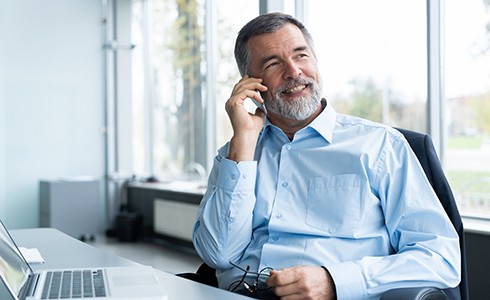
[(62, 251)]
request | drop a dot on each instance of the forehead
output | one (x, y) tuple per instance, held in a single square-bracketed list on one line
[(283, 41)]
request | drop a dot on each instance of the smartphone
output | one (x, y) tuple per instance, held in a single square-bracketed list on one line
[(261, 106)]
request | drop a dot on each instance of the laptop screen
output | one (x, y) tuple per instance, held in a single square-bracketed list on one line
[(14, 270)]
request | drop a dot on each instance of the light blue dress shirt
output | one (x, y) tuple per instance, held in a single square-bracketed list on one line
[(345, 193)]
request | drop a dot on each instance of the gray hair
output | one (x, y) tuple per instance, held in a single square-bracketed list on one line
[(263, 24)]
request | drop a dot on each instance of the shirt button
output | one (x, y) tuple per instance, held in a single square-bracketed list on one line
[(233, 176), (288, 147), (245, 176), (278, 216), (275, 238), (284, 184)]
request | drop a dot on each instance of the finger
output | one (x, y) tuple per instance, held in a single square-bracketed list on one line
[(253, 87), (281, 277), (259, 112), (248, 83), (289, 291), (257, 99), (239, 98)]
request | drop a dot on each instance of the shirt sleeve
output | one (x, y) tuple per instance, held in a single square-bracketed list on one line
[(425, 244), (223, 226)]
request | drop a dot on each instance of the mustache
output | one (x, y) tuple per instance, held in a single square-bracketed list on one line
[(299, 108), (293, 83)]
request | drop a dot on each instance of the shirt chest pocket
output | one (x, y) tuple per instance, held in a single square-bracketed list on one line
[(335, 204)]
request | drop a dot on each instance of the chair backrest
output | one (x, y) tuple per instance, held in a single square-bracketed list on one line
[(423, 148)]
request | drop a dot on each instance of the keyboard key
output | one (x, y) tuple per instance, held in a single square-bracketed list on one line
[(66, 285), (87, 284), (47, 283), (54, 290), (99, 285)]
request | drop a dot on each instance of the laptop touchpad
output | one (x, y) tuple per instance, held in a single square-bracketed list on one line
[(132, 280)]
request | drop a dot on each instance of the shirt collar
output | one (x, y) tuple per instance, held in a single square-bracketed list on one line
[(323, 124)]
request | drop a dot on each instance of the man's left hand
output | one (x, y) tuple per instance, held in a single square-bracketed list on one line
[(302, 282)]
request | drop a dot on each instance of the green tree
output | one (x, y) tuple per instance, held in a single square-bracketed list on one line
[(487, 38), (367, 101), (185, 43), (481, 104), (482, 107)]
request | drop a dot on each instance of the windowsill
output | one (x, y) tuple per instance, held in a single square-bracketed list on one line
[(176, 186), (476, 225)]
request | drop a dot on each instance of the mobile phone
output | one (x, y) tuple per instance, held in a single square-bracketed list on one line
[(261, 106)]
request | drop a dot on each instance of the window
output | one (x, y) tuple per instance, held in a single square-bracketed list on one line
[(467, 89), (373, 58), (181, 80), (227, 75)]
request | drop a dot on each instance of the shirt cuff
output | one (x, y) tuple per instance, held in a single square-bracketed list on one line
[(233, 176), (349, 282)]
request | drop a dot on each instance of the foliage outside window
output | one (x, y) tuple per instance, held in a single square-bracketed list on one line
[(467, 38), (168, 78), (170, 82)]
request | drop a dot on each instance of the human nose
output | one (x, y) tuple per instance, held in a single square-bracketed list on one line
[(291, 70)]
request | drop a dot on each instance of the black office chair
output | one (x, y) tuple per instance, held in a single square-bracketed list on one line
[(423, 148)]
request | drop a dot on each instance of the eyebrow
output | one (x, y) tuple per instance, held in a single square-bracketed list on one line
[(274, 56)]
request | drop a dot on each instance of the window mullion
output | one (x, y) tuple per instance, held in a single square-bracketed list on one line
[(435, 76), (211, 28)]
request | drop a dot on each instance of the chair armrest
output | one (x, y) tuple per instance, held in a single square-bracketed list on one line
[(205, 274), (417, 293)]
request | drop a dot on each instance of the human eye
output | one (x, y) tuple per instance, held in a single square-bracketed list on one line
[(302, 55), (271, 64)]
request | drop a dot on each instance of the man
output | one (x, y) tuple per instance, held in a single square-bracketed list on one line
[(337, 206)]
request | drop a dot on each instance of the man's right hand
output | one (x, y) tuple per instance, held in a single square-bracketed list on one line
[(246, 126)]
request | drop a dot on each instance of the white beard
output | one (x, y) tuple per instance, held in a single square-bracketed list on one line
[(300, 108)]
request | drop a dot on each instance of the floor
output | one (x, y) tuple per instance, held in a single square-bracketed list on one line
[(160, 256)]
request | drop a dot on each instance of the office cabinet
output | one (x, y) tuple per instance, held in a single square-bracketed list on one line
[(71, 206)]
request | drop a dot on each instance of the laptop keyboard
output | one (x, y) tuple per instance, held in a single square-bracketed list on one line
[(74, 284)]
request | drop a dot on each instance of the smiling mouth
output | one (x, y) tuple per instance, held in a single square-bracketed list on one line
[(295, 89)]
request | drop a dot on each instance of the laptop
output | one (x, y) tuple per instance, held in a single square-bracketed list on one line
[(19, 281)]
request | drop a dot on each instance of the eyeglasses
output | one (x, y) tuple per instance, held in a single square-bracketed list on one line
[(259, 280)]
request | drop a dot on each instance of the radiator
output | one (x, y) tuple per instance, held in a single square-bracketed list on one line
[(174, 218)]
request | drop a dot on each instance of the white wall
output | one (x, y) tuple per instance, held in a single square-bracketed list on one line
[(51, 99), (2, 118)]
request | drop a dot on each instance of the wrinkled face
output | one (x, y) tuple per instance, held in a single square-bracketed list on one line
[(288, 68)]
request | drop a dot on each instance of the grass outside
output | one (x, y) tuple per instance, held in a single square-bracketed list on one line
[(467, 184), (472, 192), (465, 142), (458, 179)]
